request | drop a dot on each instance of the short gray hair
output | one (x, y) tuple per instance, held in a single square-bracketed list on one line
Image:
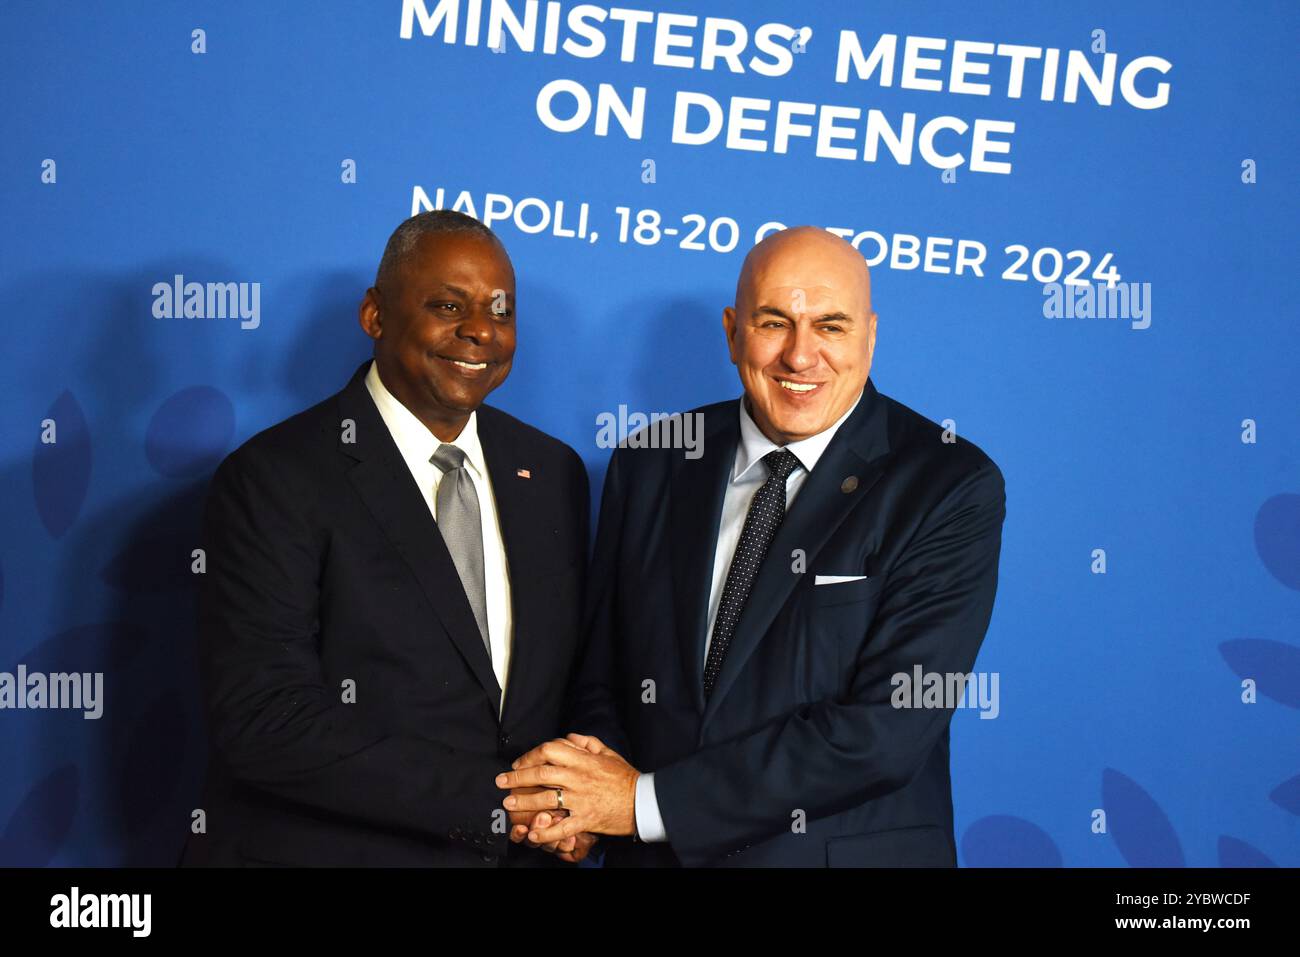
[(433, 222)]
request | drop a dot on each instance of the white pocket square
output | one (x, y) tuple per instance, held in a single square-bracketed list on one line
[(836, 579)]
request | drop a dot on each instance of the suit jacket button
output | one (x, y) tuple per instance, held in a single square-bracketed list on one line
[(454, 834), (504, 739), (488, 858)]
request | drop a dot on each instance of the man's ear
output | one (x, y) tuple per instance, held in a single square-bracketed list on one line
[(871, 338), (729, 327), (369, 315)]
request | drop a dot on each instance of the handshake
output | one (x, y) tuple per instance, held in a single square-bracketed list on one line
[(566, 792)]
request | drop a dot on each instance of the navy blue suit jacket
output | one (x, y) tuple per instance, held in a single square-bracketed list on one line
[(800, 725), (324, 566)]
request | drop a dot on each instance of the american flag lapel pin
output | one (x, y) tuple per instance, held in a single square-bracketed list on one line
[(524, 473)]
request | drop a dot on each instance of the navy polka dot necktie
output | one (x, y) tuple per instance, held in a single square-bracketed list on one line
[(766, 512)]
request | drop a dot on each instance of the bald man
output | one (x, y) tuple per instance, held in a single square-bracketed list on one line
[(759, 613)]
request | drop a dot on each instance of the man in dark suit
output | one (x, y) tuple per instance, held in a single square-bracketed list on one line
[(393, 591), (754, 609)]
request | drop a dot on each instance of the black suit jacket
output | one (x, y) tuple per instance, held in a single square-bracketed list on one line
[(325, 571), (800, 724)]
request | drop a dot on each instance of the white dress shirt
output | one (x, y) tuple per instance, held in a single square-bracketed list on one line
[(417, 445), (747, 476)]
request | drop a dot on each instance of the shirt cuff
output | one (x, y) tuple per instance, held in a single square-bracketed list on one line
[(649, 823)]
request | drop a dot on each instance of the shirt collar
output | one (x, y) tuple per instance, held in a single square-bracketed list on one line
[(754, 444), (414, 440)]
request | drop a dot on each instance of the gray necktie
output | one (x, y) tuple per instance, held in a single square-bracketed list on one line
[(458, 520)]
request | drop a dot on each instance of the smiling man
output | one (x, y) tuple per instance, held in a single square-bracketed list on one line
[(752, 608), (393, 588)]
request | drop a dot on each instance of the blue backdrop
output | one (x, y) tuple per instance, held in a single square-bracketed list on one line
[(282, 143)]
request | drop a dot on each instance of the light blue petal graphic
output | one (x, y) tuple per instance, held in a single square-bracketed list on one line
[(1235, 853), (1001, 840), (190, 432), (1137, 824), (103, 646), (1274, 666), (1277, 538), (61, 469), (1287, 795), (41, 822)]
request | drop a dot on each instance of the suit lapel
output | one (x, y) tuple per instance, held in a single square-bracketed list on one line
[(698, 487), (383, 480), (529, 547), (844, 474)]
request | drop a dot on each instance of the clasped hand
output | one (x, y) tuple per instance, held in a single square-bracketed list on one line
[(565, 792)]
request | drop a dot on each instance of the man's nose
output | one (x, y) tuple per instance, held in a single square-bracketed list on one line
[(801, 349), (478, 325)]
